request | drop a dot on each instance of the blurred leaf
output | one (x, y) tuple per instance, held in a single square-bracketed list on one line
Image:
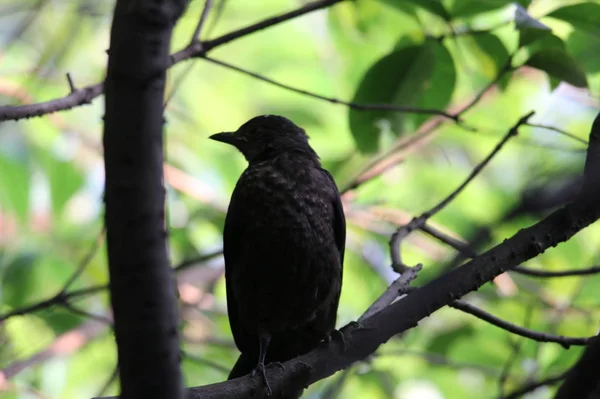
[(493, 48), (61, 320), (63, 177), (14, 186), (584, 16), (468, 8), (446, 340), (560, 65), (401, 78), (530, 29), (19, 279), (433, 6), (584, 48)]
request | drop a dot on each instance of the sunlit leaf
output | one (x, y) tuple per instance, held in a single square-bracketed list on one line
[(560, 65), (584, 48), (582, 16), (433, 6), (496, 51), (14, 186), (530, 29), (18, 279), (63, 177), (402, 78), (467, 8)]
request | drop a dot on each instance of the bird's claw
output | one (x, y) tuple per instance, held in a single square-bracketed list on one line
[(260, 368), (333, 335)]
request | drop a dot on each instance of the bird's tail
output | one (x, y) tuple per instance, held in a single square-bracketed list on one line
[(246, 364)]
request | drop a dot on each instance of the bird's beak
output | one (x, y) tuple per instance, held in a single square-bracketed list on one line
[(225, 137)]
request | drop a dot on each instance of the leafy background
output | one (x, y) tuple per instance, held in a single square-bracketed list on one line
[(425, 54)]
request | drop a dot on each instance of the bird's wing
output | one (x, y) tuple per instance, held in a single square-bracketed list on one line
[(339, 220), (232, 247)]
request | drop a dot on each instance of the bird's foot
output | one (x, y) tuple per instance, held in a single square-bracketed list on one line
[(348, 330), (260, 368), (278, 364), (333, 335)]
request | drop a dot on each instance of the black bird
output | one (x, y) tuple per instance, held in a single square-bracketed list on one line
[(283, 244)]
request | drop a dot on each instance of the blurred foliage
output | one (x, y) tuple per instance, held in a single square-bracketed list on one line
[(428, 54)]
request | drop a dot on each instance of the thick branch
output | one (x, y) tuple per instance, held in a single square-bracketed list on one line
[(141, 281), (406, 313), (359, 342)]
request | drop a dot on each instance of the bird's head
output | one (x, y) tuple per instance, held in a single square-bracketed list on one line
[(267, 136)]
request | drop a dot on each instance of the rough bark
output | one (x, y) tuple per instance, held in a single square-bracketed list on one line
[(141, 287)]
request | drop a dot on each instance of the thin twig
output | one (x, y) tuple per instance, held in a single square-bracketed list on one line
[(63, 297), (560, 273), (87, 94), (524, 332), (187, 263), (557, 130), (518, 393), (112, 378), (511, 133), (73, 309), (416, 223), (218, 13), (205, 10), (86, 259), (72, 88), (332, 100), (372, 169), (516, 349), (503, 71), (395, 289), (58, 299)]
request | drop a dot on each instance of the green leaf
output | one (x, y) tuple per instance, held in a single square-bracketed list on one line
[(584, 16), (558, 64), (444, 341), (468, 8), (420, 76), (64, 179), (433, 6), (530, 29), (18, 279), (495, 51), (14, 186), (584, 48)]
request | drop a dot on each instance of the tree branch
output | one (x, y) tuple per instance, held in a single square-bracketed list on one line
[(74, 99), (359, 342), (202, 20), (560, 273), (418, 222), (332, 100), (142, 290), (565, 342), (87, 94), (518, 393)]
